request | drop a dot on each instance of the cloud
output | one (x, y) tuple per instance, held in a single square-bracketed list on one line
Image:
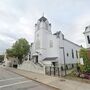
[(17, 19), (78, 28)]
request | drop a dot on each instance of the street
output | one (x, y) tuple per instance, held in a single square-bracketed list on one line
[(12, 81)]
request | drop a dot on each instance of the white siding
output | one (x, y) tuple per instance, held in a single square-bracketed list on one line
[(68, 49)]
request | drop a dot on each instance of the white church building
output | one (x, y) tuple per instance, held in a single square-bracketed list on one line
[(52, 49)]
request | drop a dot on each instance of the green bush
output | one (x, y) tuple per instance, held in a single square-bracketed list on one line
[(86, 66), (73, 73), (88, 69)]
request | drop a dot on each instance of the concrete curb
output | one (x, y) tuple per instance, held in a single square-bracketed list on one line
[(32, 78)]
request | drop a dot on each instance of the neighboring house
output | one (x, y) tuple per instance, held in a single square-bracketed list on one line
[(10, 61), (52, 49), (87, 38)]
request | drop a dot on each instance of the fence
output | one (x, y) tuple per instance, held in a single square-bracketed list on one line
[(54, 71)]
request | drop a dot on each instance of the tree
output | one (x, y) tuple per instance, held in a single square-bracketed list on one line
[(19, 49), (10, 52), (83, 54)]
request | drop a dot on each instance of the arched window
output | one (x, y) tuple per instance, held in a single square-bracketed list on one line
[(51, 43), (37, 44), (72, 53), (76, 53)]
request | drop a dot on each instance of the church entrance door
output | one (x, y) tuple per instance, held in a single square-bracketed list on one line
[(55, 64), (36, 59)]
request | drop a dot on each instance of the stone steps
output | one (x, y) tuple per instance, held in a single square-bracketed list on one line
[(31, 66)]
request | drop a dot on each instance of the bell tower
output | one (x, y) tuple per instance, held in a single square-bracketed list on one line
[(43, 23), (87, 36), (42, 30)]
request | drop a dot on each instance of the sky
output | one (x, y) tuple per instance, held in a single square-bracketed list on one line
[(18, 18)]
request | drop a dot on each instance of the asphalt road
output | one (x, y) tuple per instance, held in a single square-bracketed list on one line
[(12, 81)]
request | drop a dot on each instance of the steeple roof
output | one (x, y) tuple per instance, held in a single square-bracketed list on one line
[(42, 19)]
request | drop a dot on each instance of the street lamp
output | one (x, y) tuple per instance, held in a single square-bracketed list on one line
[(64, 59)]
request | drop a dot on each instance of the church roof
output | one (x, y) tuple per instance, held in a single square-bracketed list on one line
[(57, 33), (42, 19), (49, 58)]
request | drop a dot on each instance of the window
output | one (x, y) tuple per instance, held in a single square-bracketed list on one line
[(88, 38), (67, 54), (46, 26), (62, 36), (37, 44), (51, 43), (72, 54), (76, 53)]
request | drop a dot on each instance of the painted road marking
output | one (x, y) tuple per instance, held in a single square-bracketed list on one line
[(3, 86), (11, 79)]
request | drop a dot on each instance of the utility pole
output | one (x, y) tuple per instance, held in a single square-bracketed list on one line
[(64, 59)]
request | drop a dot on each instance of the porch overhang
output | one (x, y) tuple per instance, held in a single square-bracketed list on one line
[(52, 59), (35, 54)]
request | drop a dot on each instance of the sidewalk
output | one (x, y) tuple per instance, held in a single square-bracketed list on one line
[(60, 83)]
